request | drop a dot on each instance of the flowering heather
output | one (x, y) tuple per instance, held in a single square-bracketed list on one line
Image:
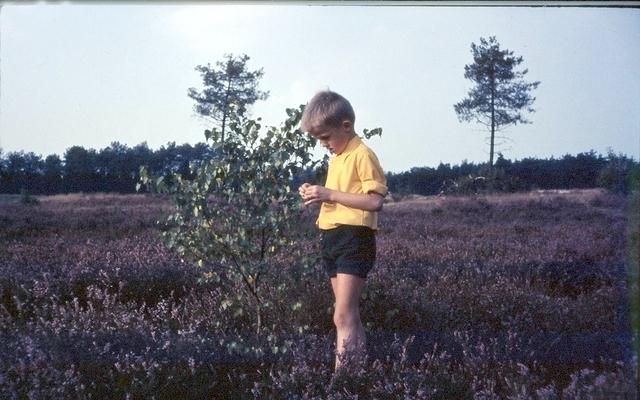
[(520, 296)]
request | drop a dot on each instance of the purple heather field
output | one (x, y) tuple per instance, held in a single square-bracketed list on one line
[(505, 296)]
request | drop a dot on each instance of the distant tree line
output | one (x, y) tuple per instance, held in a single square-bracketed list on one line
[(116, 169), (112, 169), (615, 172)]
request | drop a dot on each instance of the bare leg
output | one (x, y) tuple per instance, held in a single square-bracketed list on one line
[(350, 334)]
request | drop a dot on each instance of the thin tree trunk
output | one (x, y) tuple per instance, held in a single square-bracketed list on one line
[(493, 121), (226, 107), (253, 289)]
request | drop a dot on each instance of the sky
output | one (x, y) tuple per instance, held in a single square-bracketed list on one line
[(91, 74)]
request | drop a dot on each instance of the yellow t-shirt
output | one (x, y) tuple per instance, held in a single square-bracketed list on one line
[(355, 170)]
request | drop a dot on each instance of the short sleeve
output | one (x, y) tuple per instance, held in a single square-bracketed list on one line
[(371, 174)]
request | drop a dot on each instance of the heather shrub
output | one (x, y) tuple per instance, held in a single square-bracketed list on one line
[(493, 297), (606, 200), (590, 384)]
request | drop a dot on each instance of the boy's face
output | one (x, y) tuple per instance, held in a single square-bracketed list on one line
[(334, 139)]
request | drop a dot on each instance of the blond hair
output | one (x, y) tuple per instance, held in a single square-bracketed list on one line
[(326, 109)]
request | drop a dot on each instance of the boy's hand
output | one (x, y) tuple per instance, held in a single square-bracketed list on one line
[(302, 190), (312, 194), (318, 194)]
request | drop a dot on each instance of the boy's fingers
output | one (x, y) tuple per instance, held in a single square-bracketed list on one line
[(312, 201)]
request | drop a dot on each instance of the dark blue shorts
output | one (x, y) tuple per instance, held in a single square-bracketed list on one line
[(348, 249)]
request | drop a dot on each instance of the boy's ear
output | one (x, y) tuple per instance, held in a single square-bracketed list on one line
[(346, 124)]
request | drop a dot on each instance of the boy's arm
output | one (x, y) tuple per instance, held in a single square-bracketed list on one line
[(317, 194)]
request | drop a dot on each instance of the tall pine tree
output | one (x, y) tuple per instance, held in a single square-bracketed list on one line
[(500, 94), (230, 83)]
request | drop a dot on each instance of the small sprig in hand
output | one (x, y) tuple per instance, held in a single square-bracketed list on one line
[(312, 194)]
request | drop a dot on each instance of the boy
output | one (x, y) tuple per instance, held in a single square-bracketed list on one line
[(350, 201)]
